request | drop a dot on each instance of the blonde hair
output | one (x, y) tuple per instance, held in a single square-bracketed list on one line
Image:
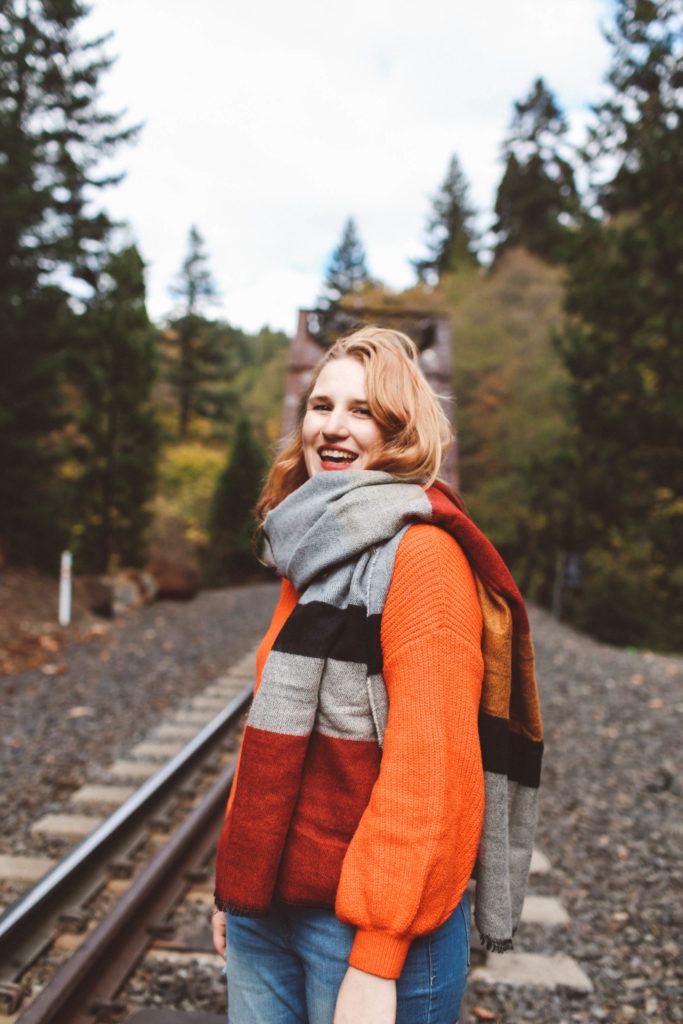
[(415, 430)]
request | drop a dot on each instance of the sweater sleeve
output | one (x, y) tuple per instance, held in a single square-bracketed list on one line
[(415, 847)]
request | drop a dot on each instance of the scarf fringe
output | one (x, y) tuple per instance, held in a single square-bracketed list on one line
[(495, 945), (491, 944)]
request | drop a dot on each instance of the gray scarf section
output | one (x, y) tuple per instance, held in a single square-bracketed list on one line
[(335, 539)]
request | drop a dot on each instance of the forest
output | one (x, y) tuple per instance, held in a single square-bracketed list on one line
[(143, 445)]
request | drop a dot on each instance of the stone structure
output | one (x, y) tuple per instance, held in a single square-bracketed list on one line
[(317, 329)]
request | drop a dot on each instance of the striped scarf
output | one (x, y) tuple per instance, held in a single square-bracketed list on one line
[(335, 538)]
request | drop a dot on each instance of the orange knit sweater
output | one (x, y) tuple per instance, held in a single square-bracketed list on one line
[(414, 850)]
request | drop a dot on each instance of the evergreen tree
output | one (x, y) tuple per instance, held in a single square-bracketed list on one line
[(622, 341), (194, 285), (537, 198), (231, 552), (33, 529), (53, 133), (347, 270), (114, 371), (451, 239), (197, 349)]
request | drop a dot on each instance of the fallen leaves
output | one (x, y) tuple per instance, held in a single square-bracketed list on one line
[(50, 669), (80, 711), (98, 629), (481, 1013), (30, 637)]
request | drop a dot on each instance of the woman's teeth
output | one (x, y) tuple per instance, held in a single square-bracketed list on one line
[(334, 456)]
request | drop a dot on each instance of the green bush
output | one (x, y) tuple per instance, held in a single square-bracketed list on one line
[(628, 598), (187, 480)]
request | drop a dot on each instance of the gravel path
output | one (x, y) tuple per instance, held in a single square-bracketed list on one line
[(610, 822), (610, 816), (103, 696)]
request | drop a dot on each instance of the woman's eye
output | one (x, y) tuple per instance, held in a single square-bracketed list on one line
[(324, 405)]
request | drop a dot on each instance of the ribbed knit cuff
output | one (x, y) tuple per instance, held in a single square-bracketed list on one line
[(379, 953)]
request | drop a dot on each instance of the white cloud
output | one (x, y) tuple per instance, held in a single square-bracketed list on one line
[(267, 126)]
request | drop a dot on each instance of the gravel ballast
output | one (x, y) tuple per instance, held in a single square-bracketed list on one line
[(610, 824), (101, 697), (610, 808)]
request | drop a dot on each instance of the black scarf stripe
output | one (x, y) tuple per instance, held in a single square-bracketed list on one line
[(319, 630), (505, 752)]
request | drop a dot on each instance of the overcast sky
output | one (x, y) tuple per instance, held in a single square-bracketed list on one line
[(268, 123)]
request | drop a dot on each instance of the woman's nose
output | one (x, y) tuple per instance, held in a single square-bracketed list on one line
[(335, 423)]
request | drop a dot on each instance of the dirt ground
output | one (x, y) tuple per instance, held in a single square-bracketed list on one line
[(30, 636)]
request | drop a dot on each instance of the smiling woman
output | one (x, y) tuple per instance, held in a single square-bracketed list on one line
[(378, 728), (368, 396)]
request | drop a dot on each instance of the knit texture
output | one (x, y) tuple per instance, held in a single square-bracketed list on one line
[(412, 855), (322, 721), (418, 835)]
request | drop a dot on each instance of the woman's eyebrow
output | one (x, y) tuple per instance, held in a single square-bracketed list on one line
[(326, 398)]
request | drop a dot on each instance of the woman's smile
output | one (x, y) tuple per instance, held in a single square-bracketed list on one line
[(333, 457)]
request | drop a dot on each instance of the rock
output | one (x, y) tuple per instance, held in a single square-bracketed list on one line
[(175, 578), (114, 595), (144, 581), (124, 594)]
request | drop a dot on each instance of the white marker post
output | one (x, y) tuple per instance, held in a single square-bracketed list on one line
[(64, 615)]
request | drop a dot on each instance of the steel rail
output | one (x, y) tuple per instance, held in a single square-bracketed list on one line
[(101, 963), (44, 898)]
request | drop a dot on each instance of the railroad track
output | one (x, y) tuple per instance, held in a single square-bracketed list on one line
[(70, 942), (134, 897), (590, 947)]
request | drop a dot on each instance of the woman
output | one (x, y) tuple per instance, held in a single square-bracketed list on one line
[(394, 739)]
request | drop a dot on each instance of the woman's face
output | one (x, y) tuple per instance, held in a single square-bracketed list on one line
[(338, 429)]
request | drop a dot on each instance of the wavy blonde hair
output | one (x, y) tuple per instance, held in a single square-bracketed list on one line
[(415, 430)]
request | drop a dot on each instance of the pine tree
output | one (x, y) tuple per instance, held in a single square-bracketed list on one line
[(537, 199), (451, 239), (194, 285), (622, 341), (347, 270), (197, 348), (114, 370), (53, 134), (33, 529), (231, 553)]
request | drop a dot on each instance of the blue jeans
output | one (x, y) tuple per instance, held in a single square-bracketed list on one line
[(286, 968)]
